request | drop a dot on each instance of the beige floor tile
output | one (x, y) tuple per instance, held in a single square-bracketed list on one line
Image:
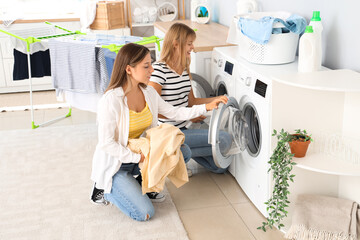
[(215, 223), (230, 188), (23, 98), (77, 116), (201, 191), (19, 119), (253, 219)]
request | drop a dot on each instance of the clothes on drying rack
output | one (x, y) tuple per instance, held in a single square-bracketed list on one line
[(40, 65), (110, 60), (78, 66)]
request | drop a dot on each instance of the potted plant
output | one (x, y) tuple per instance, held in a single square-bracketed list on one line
[(300, 143), (281, 165)]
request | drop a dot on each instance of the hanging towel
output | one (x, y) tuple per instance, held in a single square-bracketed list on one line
[(323, 218), (40, 65), (163, 157), (260, 30)]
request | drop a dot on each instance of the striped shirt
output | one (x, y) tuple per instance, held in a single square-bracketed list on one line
[(175, 88), (139, 121)]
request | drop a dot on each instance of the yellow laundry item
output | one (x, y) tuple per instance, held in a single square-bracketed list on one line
[(163, 157), (139, 121)]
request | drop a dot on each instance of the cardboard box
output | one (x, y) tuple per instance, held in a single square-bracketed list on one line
[(109, 15)]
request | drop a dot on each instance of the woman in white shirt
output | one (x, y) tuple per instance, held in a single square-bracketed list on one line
[(114, 164), (171, 79)]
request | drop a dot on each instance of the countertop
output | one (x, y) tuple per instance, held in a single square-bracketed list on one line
[(208, 35), (36, 18)]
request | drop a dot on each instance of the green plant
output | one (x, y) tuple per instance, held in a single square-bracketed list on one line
[(301, 135), (281, 165), (201, 14)]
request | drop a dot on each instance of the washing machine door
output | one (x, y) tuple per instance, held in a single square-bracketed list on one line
[(228, 132), (201, 88)]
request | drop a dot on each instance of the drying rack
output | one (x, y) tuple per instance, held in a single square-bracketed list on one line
[(30, 40)]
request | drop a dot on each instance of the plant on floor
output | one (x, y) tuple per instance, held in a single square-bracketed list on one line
[(281, 165)]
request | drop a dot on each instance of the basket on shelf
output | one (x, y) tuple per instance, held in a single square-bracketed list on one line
[(109, 15)]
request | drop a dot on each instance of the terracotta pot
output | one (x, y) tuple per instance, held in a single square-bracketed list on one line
[(298, 147)]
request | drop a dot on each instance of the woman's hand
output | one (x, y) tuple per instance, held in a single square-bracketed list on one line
[(198, 119), (142, 158), (214, 103)]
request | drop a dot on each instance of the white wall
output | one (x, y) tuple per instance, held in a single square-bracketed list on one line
[(341, 36)]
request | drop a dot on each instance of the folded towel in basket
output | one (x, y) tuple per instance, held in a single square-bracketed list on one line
[(321, 217)]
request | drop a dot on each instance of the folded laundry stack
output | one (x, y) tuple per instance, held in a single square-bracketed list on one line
[(324, 218)]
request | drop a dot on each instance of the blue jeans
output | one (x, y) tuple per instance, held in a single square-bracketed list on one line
[(126, 193), (197, 142)]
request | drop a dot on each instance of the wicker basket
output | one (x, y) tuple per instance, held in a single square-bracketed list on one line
[(109, 15)]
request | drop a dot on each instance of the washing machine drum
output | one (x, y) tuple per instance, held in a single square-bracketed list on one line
[(201, 88), (228, 132)]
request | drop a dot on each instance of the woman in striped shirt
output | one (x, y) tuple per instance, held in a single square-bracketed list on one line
[(171, 79)]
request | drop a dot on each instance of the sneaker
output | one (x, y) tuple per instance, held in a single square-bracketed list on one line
[(97, 196), (156, 197), (189, 172)]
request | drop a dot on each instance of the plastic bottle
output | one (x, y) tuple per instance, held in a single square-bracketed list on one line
[(308, 56), (315, 22)]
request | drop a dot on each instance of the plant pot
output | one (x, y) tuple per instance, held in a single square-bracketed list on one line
[(298, 147)]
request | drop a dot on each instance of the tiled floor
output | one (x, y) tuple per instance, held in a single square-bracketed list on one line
[(211, 206)]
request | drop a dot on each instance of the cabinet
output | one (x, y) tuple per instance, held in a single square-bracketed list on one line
[(327, 104), (7, 61), (208, 36)]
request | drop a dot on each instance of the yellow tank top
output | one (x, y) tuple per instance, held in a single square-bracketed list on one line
[(139, 121)]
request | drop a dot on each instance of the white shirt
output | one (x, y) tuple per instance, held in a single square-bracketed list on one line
[(113, 131)]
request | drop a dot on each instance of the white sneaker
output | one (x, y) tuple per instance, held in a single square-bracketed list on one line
[(189, 172), (156, 197)]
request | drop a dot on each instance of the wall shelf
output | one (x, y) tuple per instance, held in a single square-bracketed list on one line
[(341, 80), (325, 164)]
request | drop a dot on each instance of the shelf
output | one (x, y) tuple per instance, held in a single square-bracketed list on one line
[(143, 24), (341, 80), (321, 163)]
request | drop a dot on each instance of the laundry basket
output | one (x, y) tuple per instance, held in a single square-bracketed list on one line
[(280, 49)]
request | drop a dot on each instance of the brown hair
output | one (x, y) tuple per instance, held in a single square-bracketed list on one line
[(180, 33), (130, 54)]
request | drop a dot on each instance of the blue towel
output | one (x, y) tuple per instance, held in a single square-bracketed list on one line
[(260, 30)]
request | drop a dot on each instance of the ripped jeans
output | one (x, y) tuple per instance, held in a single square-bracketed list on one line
[(126, 193)]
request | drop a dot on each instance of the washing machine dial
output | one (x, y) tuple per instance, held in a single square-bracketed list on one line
[(248, 81), (220, 63)]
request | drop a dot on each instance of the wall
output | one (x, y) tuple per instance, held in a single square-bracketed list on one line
[(341, 36)]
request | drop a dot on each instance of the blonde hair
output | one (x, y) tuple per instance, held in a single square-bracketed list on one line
[(178, 32), (130, 54)]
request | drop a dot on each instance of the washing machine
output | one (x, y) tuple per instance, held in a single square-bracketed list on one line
[(247, 118)]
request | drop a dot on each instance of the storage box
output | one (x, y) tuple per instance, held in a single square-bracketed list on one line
[(280, 49), (109, 15)]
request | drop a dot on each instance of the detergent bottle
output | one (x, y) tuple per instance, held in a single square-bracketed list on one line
[(317, 26), (308, 55)]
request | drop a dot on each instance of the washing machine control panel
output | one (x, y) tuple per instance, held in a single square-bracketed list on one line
[(220, 63)]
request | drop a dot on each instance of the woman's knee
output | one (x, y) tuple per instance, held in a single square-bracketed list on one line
[(143, 214), (186, 151)]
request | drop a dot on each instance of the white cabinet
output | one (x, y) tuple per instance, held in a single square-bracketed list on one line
[(7, 61), (326, 104)]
